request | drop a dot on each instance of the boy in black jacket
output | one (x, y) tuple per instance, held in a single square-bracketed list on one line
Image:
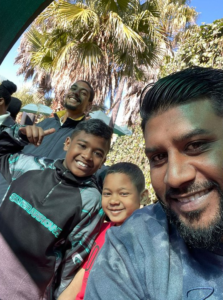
[(51, 213)]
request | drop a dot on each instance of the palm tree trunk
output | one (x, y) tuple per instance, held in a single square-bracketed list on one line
[(118, 99)]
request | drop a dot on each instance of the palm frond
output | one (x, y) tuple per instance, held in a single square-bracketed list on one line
[(126, 37)]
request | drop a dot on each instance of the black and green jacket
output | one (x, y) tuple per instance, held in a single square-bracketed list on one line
[(49, 219)]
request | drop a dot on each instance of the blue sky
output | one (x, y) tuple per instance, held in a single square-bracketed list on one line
[(209, 11)]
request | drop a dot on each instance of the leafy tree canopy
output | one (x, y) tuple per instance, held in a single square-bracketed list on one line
[(201, 46)]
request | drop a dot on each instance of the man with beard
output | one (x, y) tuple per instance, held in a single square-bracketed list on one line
[(173, 249), (77, 100)]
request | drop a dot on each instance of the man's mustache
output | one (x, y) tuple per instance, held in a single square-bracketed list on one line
[(73, 96), (191, 188)]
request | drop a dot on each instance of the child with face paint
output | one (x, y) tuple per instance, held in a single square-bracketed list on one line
[(123, 190)]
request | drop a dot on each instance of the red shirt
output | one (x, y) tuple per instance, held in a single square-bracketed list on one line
[(99, 242)]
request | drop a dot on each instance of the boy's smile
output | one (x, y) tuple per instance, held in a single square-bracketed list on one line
[(85, 153), (120, 197)]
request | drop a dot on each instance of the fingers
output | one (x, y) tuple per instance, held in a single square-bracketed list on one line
[(49, 131), (35, 134)]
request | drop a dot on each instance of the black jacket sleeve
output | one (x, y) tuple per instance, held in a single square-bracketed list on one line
[(11, 141)]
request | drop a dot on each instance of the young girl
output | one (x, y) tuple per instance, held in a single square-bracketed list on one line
[(123, 190)]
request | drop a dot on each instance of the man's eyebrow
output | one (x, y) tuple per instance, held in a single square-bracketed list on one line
[(86, 142), (151, 150), (82, 88), (191, 134), (183, 137)]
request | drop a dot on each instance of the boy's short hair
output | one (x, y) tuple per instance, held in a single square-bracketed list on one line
[(95, 127), (132, 171)]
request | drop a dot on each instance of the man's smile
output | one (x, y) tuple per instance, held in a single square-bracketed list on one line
[(74, 99), (193, 201), (191, 197)]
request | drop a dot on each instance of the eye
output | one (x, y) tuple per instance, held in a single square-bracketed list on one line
[(197, 147), (124, 194), (106, 194), (84, 93), (82, 145), (158, 159), (98, 154)]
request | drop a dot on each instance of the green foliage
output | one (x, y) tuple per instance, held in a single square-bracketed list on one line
[(100, 41), (203, 46), (29, 95), (131, 149)]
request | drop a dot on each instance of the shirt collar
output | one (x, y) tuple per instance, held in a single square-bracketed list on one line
[(62, 113), (3, 117)]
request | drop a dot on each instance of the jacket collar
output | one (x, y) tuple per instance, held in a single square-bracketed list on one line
[(8, 122)]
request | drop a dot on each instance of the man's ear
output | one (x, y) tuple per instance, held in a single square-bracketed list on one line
[(67, 143), (144, 197)]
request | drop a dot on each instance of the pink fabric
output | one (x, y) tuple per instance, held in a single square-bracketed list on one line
[(15, 282)]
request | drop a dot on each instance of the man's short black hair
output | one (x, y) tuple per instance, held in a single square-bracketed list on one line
[(132, 171), (95, 127), (7, 88), (92, 93), (182, 87)]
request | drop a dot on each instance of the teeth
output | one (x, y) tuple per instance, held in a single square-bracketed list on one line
[(81, 164), (193, 197)]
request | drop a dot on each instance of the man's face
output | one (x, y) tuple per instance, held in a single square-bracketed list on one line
[(77, 97), (85, 154), (185, 148)]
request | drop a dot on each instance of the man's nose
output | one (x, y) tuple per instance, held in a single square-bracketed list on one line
[(77, 92), (179, 171)]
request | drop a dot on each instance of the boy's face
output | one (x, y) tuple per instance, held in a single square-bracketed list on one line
[(85, 153), (120, 197)]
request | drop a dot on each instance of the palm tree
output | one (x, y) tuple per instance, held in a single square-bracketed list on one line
[(176, 17), (100, 41)]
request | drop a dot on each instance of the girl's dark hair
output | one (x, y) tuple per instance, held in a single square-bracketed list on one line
[(7, 88), (132, 171), (189, 85)]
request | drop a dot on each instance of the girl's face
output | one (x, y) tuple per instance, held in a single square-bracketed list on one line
[(120, 197)]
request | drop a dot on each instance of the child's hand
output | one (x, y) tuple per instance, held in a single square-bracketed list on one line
[(35, 134)]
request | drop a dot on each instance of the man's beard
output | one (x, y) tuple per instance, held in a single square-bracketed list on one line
[(208, 237), (70, 107)]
